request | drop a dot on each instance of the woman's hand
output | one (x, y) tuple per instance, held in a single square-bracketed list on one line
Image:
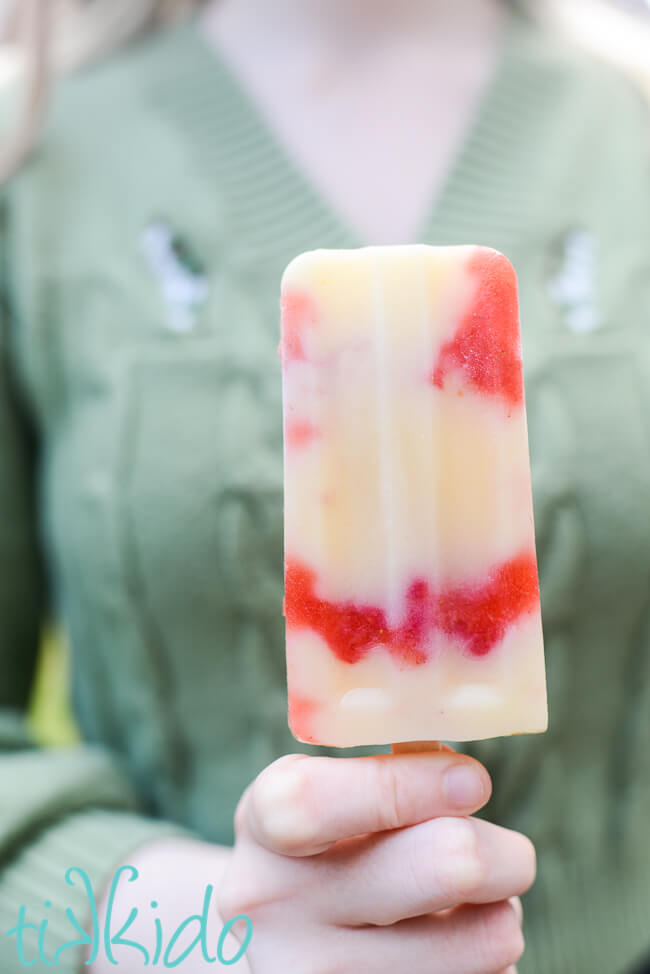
[(367, 864), (178, 876)]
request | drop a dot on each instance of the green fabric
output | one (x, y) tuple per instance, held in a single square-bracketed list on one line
[(141, 467), (97, 841)]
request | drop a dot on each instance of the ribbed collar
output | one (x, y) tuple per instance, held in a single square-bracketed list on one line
[(274, 211)]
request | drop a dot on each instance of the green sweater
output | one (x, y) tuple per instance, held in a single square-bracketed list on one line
[(141, 470)]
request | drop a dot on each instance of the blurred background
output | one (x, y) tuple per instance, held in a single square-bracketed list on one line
[(618, 30), (636, 6)]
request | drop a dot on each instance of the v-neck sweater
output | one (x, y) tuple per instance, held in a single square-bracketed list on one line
[(141, 469)]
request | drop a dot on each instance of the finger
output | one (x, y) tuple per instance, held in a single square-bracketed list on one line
[(468, 940), (515, 903), (426, 868), (300, 805)]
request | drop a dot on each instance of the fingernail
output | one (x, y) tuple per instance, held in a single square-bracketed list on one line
[(463, 786)]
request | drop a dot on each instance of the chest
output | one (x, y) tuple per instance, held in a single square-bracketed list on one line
[(160, 404), (375, 135)]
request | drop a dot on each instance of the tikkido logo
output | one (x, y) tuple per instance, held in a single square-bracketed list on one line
[(31, 937)]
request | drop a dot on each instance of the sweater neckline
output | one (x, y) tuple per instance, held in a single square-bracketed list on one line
[(276, 211)]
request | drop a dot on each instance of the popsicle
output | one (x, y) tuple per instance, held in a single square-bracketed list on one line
[(411, 589)]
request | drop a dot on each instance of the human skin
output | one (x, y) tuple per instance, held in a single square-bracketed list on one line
[(370, 863), (372, 99)]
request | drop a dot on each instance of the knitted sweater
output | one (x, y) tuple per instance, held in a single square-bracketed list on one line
[(141, 470)]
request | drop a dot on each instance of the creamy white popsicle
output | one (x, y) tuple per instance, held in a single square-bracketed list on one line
[(411, 589)]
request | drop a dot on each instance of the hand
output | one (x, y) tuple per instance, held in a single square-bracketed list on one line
[(367, 864), (174, 873)]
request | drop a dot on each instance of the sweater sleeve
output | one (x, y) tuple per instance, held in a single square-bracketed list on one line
[(60, 808)]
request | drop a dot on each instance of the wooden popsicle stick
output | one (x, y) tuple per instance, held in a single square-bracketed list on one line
[(415, 747)]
